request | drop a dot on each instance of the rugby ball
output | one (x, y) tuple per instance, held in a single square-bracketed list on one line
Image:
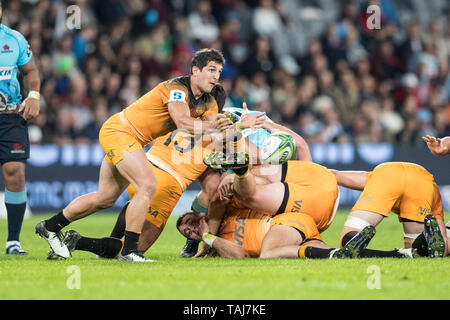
[(277, 148)]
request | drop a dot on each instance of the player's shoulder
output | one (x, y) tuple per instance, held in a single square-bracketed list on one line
[(8, 32), (182, 83)]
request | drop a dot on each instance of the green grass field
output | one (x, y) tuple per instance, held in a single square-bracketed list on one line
[(175, 278)]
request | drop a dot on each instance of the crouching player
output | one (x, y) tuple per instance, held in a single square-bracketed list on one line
[(408, 190)]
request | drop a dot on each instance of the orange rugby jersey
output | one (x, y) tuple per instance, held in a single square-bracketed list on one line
[(245, 227), (149, 116), (180, 153)]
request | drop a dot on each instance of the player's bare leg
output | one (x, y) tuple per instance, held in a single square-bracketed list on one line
[(111, 184), (411, 230), (136, 169), (281, 242), (150, 233)]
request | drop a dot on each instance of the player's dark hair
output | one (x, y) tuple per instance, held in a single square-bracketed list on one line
[(203, 56), (180, 218)]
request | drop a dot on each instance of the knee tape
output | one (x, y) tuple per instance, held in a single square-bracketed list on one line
[(356, 223)]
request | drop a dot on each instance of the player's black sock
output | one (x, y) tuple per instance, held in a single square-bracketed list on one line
[(421, 245), (130, 243), (347, 237), (119, 228), (56, 223), (15, 213), (369, 253), (104, 247), (307, 252)]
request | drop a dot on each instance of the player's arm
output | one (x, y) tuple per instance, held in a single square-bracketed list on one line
[(224, 248), (355, 180), (181, 116), (30, 106), (216, 211), (438, 146), (301, 147)]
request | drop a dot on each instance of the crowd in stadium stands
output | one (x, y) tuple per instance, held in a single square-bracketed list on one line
[(313, 65)]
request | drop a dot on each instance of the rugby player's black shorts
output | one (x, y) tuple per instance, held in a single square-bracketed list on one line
[(14, 142)]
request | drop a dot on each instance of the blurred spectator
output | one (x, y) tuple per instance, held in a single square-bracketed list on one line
[(322, 72), (202, 24)]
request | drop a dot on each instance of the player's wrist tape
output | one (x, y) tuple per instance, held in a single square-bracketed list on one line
[(208, 238), (35, 95), (239, 126)]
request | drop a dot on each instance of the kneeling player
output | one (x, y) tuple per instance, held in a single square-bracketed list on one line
[(406, 189)]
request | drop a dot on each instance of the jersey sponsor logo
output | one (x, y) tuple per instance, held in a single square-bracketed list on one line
[(297, 206), (424, 211), (239, 228), (110, 154), (177, 96), (6, 49), (6, 73), (152, 212)]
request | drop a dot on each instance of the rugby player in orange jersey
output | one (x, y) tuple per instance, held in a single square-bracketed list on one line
[(245, 232), (177, 161), (406, 189), (181, 103), (295, 186)]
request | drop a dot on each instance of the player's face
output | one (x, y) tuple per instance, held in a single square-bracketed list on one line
[(190, 226), (208, 77)]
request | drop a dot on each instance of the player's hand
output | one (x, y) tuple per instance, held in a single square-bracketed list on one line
[(203, 226), (220, 121), (203, 251), (435, 145), (29, 108), (253, 121), (225, 188)]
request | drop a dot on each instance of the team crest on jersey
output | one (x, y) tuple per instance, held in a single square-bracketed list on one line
[(177, 96), (6, 49), (17, 148)]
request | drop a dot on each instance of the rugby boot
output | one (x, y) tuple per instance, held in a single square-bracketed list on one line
[(190, 248), (408, 252), (433, 235), (70, 239), (133, 257), (355, 245), (54, 240), (225, 161), (14, 247)]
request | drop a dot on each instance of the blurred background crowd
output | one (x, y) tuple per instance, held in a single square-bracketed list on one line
[(312, 65)]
